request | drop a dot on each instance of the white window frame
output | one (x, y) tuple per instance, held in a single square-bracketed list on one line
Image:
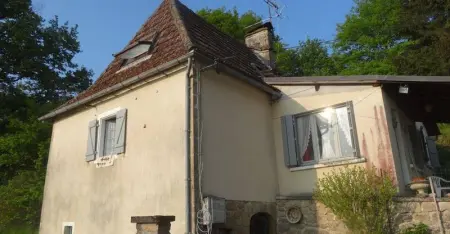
[(353, 133), (68, 224), (101, 118)]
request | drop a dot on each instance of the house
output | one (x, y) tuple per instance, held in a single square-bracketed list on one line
[(185, 116)]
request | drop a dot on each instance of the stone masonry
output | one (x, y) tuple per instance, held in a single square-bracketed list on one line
[(239, 214), (316, 218), (319, 219), (152, 224)]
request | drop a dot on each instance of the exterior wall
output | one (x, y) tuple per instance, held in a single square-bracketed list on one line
[(319, 219), (371, 124), (147, 180), (237, 140)]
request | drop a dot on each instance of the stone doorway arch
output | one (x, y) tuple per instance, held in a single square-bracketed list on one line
[(262, 223)]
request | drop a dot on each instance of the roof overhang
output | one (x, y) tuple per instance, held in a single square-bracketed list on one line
[(354, 80)]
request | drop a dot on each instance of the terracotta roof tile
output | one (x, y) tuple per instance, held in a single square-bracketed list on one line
[(179, 30)]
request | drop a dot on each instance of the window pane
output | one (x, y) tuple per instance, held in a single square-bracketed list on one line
[(344, 131), (67, 229), (109, 136), (327, 134), (304, 142)]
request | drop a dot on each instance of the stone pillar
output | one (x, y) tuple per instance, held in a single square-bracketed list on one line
[(152, 224)]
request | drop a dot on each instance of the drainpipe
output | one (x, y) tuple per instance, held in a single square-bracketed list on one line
[(188, 147)]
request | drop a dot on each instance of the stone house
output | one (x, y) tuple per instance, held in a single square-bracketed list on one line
[(186, 117)]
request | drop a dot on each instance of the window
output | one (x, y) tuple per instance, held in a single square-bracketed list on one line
[(68, 228), (106, 135), (109, 136), (320, 136)]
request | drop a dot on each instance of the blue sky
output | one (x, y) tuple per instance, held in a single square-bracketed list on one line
[(105, 26)]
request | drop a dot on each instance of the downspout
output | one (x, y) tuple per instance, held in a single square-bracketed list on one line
[(187, 161)]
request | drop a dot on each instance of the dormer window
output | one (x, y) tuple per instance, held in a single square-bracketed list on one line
[(136, 50), (135, 54)]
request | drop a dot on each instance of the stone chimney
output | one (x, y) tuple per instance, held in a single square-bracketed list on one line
[(259, 38), (153, 224)]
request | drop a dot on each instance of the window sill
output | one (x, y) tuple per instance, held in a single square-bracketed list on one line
[(330, 164)]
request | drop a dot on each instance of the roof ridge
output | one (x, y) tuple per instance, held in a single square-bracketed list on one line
[(179, 23)]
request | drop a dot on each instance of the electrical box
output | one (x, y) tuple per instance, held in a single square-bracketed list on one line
[(214, 210)]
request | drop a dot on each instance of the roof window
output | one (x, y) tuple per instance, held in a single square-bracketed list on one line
[(136, 50)]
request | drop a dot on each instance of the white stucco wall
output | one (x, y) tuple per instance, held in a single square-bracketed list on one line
[(147, 180), (237, 145), (371, 125)]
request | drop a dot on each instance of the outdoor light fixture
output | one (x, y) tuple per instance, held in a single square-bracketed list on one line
[(136, 50), (403, 89)]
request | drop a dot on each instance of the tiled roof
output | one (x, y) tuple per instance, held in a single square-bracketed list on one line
[(179, 30)]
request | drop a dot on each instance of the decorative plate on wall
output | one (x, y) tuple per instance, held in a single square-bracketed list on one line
[(294, 214)]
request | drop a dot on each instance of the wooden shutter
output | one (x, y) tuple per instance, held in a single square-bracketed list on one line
[(121, 122), (92, 141), (433, 153), (289, 148)]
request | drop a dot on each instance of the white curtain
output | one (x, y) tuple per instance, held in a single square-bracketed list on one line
[(326, 122), (345, 138), (303, 133)]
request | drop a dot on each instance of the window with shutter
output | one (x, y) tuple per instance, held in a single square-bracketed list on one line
[(111, 132), (319, 136)]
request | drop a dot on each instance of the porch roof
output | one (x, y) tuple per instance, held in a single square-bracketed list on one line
[(357, 79)]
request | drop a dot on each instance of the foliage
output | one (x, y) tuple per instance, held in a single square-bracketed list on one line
[(37, 73), (420, 228), (359, 197), (426, 25), (20, 230), (229, 21), (310, 58), (368, 39)]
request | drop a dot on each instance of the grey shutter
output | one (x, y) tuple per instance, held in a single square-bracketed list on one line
[(92, 141), (433, 153), (290, 154), (121, 122)]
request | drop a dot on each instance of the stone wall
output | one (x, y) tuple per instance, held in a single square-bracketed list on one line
[(239, 214), (416, 210), (319, 219), (316, 218)]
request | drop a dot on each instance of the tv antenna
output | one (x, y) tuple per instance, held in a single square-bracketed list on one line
[(275, 10)]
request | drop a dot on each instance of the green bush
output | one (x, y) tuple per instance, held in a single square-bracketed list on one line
[(359, 197), (19, 230), (416, 229)]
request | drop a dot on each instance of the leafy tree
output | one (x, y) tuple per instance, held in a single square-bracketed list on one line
[(369, 38), (426, 25), (36, 74), (310, 58), (229, 21)]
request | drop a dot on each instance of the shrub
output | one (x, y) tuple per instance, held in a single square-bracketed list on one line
[(416, 229), (359, 197)]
